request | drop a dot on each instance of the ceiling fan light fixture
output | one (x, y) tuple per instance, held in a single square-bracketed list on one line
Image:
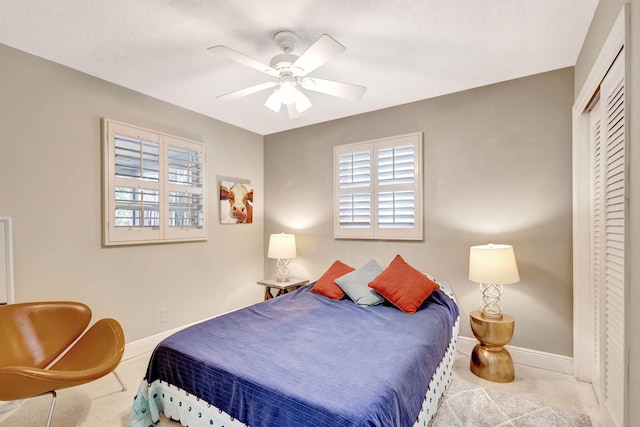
[(288, 88), (296, 101), (290, 71), (274, 102), (302, 102)]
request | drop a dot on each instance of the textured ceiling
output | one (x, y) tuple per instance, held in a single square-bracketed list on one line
[(402, 51)]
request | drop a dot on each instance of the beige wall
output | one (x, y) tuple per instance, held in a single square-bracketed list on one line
[(497, 168), (605, 15), (50, 184), (496, 165)]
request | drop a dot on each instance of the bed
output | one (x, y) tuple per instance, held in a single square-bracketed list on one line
[(305, 360)]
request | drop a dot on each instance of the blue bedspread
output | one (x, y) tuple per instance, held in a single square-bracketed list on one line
[(304, 360)]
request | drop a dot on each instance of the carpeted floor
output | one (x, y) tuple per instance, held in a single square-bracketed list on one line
[(467, 405), (469, 402)]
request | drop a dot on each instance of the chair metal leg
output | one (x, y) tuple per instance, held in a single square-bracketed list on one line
[(124, 387), (54, 397), (53, 406)]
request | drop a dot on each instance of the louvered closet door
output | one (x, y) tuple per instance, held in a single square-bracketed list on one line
[(609, 217), (597, 202)]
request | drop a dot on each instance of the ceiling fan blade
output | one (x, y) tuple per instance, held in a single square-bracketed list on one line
[(319, 53), (247, 91), (242, 59), (339, 89)]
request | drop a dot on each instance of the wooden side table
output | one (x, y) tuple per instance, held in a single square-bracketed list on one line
[(281, 287), (489, 360)]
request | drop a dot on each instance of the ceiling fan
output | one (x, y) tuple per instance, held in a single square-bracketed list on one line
[(291, 72)]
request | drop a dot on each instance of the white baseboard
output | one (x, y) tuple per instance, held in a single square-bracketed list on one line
[(525, 356), (146, 345)]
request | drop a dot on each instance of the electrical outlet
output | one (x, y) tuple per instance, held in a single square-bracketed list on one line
[(164, 316)]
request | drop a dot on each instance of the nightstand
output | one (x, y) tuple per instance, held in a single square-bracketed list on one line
[(489, 360), (281, 287)]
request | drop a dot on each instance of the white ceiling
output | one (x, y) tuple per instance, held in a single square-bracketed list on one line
[(402, 51)]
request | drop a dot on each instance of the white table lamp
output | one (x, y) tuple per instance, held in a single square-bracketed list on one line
[(492, 266), (282, 247)]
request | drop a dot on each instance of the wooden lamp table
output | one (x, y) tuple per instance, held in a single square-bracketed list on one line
[(280, 287), (489, 360)]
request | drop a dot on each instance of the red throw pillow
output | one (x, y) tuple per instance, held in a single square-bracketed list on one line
[(326, 284), (403, 286)]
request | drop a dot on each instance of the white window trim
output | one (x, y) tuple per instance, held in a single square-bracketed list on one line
[(375, 232), (113, 235)]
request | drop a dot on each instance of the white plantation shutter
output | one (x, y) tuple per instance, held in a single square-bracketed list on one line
[(396, 196), (355, 210), (137, 168), (396, 165), (378, 189), (153, 186), (354, 170), (185, 180)]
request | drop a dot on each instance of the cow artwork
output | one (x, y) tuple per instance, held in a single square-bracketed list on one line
[(236, 203)]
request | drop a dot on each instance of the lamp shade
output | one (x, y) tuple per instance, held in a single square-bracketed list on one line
[(495, 264), (282, 246), (289, 94)]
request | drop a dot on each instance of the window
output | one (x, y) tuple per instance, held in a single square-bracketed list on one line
[(377, 188), (153, 186)]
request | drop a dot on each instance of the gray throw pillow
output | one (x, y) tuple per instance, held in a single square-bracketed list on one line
[(356, 284)]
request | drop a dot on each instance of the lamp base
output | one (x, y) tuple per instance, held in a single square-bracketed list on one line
[(492, 364), (491, 305), (283, 271), (489, 359)]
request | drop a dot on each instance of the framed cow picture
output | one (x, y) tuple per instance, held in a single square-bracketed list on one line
[(236, 202)]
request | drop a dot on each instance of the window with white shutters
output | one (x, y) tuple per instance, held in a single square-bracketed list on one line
[(153, 186), (378, 189)]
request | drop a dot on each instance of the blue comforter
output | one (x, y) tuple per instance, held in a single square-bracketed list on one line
[(304, 360)]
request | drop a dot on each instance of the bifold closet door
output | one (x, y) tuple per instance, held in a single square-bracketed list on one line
[(608, 232)]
